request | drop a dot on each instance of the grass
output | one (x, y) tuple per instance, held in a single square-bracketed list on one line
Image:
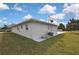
[(65, 44)]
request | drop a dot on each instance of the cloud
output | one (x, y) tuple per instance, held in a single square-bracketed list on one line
[(0, 21), (17, 8), (47, 9), (72, 8), (59, 16), (76, 16), (27, 16), (4, 21), (3, 6), (4, 18), (66, 5), (55, 22), (43, 20)]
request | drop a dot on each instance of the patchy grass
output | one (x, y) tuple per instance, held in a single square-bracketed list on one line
[(12, 44)]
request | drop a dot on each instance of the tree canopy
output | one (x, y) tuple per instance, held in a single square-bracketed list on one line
[(61, 26), (72, 25)]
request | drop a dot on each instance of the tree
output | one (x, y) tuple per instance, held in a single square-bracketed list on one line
[(68, 27), (61, 26), (72, 25), (5, 27)]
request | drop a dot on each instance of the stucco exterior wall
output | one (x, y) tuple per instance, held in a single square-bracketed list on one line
[(35, 30)]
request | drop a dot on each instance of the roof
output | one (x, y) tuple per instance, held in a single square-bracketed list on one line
[(33, 20)]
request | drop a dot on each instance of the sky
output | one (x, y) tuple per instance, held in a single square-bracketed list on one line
[(13, 13)]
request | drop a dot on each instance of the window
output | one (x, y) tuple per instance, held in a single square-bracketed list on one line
[(26, 27), (17, 28)]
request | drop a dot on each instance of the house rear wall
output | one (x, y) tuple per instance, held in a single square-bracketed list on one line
[(35, 30)]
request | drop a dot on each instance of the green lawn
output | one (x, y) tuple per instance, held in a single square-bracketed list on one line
[(67, 43)]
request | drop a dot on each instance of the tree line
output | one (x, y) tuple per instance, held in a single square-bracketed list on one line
[(72, 25), (4, 28)]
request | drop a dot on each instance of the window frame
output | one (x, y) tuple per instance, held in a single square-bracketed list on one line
[(26, 27), (17, 28), (21, 27)]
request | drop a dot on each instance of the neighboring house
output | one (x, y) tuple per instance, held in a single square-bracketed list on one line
[(35, 29)]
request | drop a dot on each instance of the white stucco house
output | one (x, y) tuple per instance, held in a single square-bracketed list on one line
[(35, 29)]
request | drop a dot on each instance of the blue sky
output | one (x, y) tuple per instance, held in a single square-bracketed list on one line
[(12, 13)]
